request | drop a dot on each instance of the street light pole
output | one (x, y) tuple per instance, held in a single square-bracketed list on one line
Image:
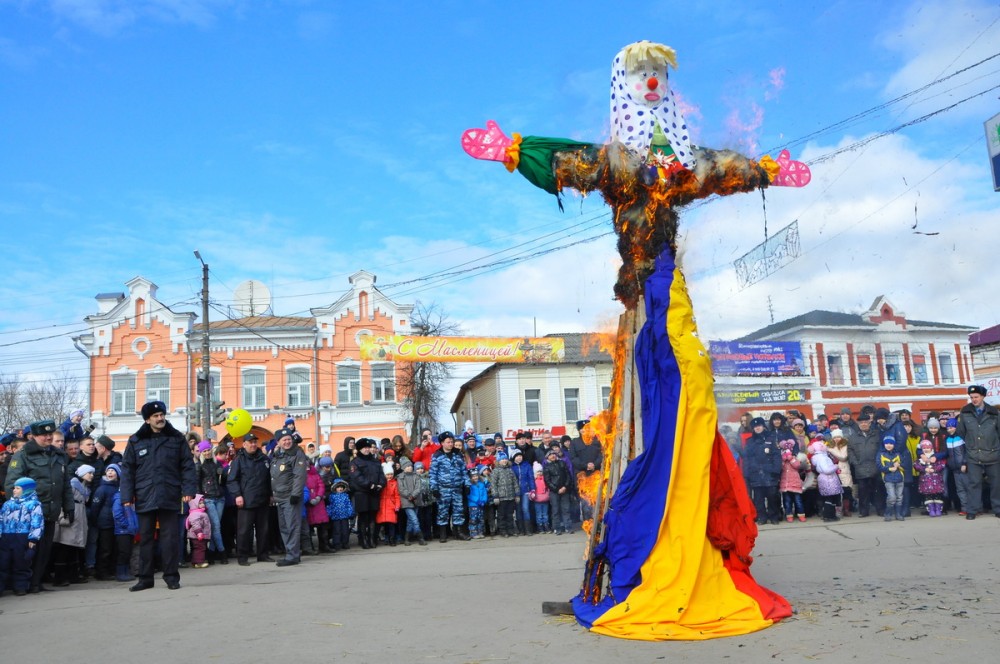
[(206, 409)]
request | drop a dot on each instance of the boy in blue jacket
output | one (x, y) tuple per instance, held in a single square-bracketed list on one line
[(21, 525), (890, 464), (478, 496)]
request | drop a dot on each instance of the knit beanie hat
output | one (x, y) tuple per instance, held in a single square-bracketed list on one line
[(83, 470), (115, 467), (933, 423)]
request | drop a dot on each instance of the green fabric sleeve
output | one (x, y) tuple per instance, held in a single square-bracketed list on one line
[(536, 159)]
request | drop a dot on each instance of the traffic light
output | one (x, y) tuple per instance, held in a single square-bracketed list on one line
[(194, 413), (219, 413)]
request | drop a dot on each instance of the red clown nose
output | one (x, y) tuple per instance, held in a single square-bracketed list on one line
[(651, 83)]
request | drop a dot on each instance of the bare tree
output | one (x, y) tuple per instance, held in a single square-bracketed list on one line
[(50, 399), (10, 403), (422, 383)]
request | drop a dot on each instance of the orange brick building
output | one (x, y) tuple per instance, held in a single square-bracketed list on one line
[(306, 367)]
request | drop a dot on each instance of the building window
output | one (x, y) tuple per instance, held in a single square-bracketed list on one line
[(944, 363), (123, 395), (254, 389), (348, 385), (215, 385), (835, 369), (532, 406), (298, 387), (919, 369), (864, 369), (383, 382), (606, 397), (892, 370), (158, 388), (571, 399)]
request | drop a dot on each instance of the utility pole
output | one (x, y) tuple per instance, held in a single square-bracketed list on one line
[(206, 375)]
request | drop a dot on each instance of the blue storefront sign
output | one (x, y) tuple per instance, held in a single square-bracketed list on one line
[(757, 358)]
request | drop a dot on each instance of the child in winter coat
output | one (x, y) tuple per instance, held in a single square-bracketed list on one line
[(340, 510), (505, 494), (478, 496), (541, 501), (388, 506), (316, 511), (957, 467), (100, 515), (557, 479), (199, 531), (890, 465), (930, 482), (827, 479), (22, 523), (70, 537), (425, 513), (126, 529), (410, 499), (840, 454), (790, 484)]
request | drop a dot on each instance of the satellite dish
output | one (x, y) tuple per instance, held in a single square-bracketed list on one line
[(251, 298)]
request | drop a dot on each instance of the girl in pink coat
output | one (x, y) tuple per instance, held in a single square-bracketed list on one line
[(790, 484), (316, 509)]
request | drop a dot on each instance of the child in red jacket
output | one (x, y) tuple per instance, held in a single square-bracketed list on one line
[(388, 505)]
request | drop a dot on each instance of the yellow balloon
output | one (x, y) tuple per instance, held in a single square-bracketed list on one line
[(239, 423)]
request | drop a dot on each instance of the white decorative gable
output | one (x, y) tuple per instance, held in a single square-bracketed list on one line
[(138, 309), (359, 304)]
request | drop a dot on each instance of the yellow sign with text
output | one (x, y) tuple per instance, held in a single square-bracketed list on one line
[(398, 347)]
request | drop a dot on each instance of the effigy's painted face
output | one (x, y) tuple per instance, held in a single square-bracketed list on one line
[(646, 83)]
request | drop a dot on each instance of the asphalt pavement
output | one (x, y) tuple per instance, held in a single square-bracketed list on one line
[(865, 590)]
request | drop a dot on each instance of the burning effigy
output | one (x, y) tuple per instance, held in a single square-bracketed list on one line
[(669, 547)]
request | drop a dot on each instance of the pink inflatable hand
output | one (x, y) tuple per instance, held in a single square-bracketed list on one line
[(793, 173), (490, 143)]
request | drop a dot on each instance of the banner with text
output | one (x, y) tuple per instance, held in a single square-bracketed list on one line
[(461, 349), (757, 358), (756, 397)]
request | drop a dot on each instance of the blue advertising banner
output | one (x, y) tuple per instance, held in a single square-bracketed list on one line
[(757, 358)]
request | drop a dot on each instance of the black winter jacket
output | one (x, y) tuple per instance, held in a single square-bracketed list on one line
[(556, 475), (157, 470), (762, 460), (210, 479), (981, 433), (48, 467), (580, 454), (250, 478)]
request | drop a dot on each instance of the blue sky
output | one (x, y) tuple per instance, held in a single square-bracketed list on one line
[(297, 142)]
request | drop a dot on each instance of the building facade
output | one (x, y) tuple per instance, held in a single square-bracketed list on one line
[(985, 347), (849, 360), (543, 397), (305, 367)]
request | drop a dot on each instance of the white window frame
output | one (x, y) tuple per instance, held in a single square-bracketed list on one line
[(605, 397), (215, 385), (159, 392), (350, 386), (917, 378), (829, 369), (537, 401), (571, 400), (945, 360), (260, 389), (298, 393), (383, 386), (124, 408), (898, 364), (871, 368)]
